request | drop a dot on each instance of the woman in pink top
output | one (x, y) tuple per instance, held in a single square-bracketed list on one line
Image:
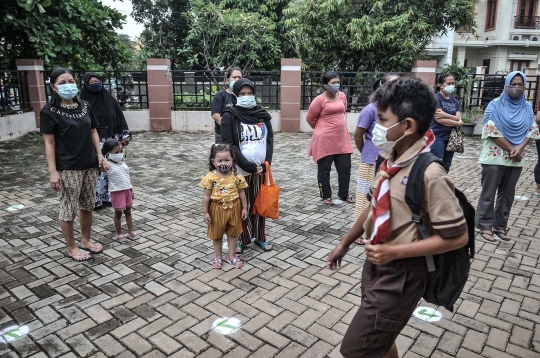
[(331, 141)]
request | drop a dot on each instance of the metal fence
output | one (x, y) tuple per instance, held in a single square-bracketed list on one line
[(14, 96), (194, 90), (484, 88), (357, 86), (130, 88)]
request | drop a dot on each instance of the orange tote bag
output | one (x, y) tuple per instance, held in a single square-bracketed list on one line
[(266, 203)]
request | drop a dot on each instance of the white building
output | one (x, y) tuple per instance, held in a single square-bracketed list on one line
[(509, 39)]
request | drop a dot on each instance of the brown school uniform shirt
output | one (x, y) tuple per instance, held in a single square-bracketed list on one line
[(441, 213)]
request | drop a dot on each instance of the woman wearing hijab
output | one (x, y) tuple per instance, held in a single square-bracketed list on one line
[(330, 142), (248, 129), (112, 123), (509, 125), (223, 100)]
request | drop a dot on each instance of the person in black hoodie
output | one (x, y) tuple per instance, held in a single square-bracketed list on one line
[(112, 124), (247, 127)]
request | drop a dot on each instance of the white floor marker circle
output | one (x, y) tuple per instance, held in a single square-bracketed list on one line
[(226, 325), (427, 314), (521, 198), (13, 333), (15, 208)]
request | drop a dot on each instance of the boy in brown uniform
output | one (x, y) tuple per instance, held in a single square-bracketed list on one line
[(394, 276)]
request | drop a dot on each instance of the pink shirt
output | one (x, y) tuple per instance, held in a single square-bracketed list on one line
[(330, 135)]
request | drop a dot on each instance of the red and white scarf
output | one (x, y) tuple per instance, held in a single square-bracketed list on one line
[(380, 203)]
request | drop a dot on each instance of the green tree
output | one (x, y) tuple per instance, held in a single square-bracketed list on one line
[(79, 34), (220, 37), (165, 30), (374, 35)]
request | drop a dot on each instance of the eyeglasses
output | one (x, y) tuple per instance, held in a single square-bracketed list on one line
[(93, 82)]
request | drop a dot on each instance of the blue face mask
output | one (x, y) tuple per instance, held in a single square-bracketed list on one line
[(231, 84), (333, 88), (68, 91), (95, 87), (246, 101)]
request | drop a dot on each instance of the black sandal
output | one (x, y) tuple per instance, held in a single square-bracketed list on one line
[(501, 234), (487, 235), (328, 201), (349, 200)]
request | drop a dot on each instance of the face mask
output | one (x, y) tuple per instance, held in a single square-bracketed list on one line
[(95, 87), (116, 157), (231, 84), (68, 91), (246, 101), (515, 92), (333, 88), (224, 168), (379, 139), (449, 89)]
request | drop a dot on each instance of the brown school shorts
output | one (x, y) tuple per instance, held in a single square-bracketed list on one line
[(224, 221), (78, 192), (390, 294)]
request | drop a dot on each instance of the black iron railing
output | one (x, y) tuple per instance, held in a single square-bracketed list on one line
[(14, 96), (130, 88), (482, 89), (356, 85), (527, 22), (194, 90)]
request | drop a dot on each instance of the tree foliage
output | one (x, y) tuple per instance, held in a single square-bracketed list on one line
[(79, 34), (165, 30), (384, 35), (221, 37)]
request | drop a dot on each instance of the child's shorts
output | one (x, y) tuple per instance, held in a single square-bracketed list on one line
[(390, 294), (122, 199), (228, 221), (78, 192)]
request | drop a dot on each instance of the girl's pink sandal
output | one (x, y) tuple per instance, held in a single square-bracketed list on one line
[(121, 238), (134, 235), (235, 261), (216, 263)]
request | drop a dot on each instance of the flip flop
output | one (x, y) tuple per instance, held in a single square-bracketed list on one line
[(537, 194), (348, 199), (235, 261), (359, 241), (87, 257), (263, 245), (328, 201), (239, 249), (487, 235), (89, 249), (498, 233)]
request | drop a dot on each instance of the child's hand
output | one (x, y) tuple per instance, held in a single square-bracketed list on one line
[(379, 254), (206, 218), (336, 255), (244, 214), (105, 165)]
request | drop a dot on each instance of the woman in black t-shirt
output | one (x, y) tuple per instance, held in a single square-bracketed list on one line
[(73, 156), (224, 99)]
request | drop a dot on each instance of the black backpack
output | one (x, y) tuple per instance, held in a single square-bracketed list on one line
[(447, 272)]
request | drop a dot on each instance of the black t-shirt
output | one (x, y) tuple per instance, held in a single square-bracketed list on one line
[(220, 103), (72, 129)]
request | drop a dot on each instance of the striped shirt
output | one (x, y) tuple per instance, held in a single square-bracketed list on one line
[(118, 176)]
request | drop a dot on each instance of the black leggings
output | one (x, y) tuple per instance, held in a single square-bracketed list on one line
[(537, 167)]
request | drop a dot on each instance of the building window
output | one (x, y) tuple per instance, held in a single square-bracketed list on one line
[(491, 14), (486, 63), (519, 65), (526, 15)]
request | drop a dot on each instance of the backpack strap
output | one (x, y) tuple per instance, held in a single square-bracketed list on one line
[(413, 195)]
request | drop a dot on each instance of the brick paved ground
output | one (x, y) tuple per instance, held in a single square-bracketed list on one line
[(158, 296)]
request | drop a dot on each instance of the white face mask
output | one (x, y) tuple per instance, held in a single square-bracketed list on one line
[(379, 139), (231, 84), (246, 101), (117, 158)]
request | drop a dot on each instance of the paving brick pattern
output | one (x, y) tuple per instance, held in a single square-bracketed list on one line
[(158, 296)]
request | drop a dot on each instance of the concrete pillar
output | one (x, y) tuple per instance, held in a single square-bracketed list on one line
[(425, 70), (36, 84), (461, 52), (160, 95), (291, 86)]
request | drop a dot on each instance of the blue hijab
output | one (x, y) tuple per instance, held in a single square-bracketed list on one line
[(513, 117)]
